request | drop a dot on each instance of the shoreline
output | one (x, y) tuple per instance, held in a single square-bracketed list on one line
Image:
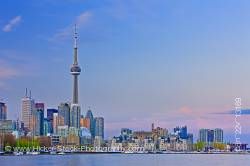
[(122, 153)]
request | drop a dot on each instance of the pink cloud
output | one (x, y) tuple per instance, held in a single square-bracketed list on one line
[(7, 72)]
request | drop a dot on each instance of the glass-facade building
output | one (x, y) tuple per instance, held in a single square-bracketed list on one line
[(99, 127), (3, 111), (92, 122), (64, 112)]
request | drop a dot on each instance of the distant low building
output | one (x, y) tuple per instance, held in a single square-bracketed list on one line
[(141, 135), (6, 126)]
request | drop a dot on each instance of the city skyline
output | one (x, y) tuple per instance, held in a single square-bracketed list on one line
[(132, 76)]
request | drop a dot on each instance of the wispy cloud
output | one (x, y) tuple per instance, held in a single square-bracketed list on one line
[(66, 32), (7, 72), (12, 23)]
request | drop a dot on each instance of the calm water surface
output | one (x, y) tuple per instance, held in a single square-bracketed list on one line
[(127, 160)]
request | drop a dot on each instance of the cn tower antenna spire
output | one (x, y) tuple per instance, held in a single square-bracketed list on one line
[(75, 36)]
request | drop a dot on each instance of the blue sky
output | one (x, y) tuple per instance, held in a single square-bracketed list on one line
[(172, 62)]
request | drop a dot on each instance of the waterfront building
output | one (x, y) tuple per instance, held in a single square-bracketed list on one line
[(3, 111), (64, 112), (6, 126), (190, 140), (149, 144), (116, 146), (211, 135), (90, 116), (50, 113), (75, 114), (38, 119), (141, 135), (28, 105), (55, 140), (46, 130), (158, 132), (73, 136), (218, 135), (85, 136), (98, 141), (99, 127), (181, 132), (63, 132), (126, 134), (203, 135), (85, 122), (163, 145), (57, 121)]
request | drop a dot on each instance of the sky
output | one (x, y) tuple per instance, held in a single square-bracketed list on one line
[(171, 62)]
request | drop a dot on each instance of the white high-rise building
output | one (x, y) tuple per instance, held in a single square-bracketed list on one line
[(28, 105)]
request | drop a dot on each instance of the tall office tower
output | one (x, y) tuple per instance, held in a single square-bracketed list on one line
[(206, 135), (90, 116), (75, 116), (46, 127), (64, 111), (38, 119), (50, 113), (218, 135), (210, 138), (203, 135), (3, 111), (99, 127), (57, 121), (28, 105), (85, 122), (75, 111)]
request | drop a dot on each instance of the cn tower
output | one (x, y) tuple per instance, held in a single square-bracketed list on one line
[(75, 71)]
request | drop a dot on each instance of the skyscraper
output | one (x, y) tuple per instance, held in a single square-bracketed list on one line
[(57, 121), (64, 111), (85, 122), (203, 135), (75, 70), (99, 127), (38, 117), (28, 105), (218, 135), (90, 116), (46, 127), (75, 116), (3, 111), (50, 113), (211, 135)]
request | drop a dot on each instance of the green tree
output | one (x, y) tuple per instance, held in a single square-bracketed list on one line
[(199, 146)]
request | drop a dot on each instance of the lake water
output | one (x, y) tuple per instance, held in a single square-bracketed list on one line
[(127, 160)]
